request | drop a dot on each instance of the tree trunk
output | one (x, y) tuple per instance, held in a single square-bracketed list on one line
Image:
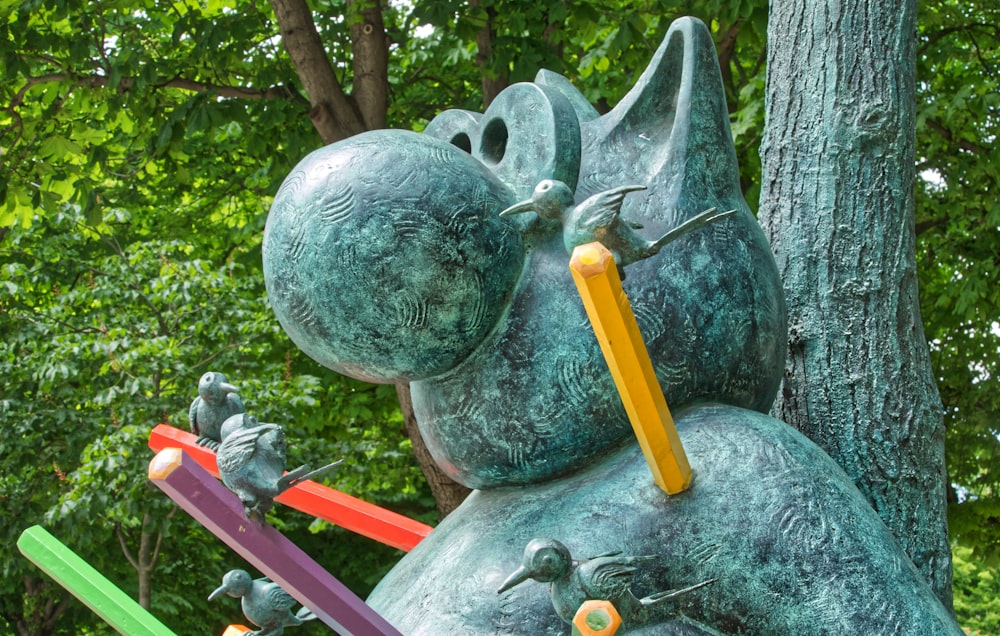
[(337, 116), (370, 63), (144, 560), (333, 113), (837, 205), (43, 603), (448, 494), (493, 82)]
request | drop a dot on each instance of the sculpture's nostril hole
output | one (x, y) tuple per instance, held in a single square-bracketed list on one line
[(462, 142), (494, 143)]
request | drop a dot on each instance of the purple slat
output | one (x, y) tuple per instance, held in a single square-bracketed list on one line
[(203, 497)]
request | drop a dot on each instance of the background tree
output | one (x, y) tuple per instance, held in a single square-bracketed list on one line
[(837, 205), (958, 228)]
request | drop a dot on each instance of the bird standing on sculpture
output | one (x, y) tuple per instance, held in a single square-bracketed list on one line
[(598, 218), (264, 603), (238, 422), (252, 465), (571, 582), (217, 400)]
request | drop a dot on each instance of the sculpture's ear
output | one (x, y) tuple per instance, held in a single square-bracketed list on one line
[(671, 131), (585, 111), (529, 133), (458, 127)]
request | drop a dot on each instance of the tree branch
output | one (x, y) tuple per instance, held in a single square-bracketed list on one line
[(102, 81), (963, 144), (943, 33), (492, 83), (124, 546)]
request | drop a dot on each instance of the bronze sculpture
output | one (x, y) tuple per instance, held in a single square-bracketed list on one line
[(386, 258)]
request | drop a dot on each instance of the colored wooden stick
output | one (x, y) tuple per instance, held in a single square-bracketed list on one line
[(350, 513), (87, 584), (610, 313), (596, 618), (236, 630), (203, 497)]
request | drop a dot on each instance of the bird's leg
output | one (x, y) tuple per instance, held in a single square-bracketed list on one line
[(621, 271), (207, 442), (257, 511)]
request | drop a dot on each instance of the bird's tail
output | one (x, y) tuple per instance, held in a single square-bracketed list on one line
[(305, 614), (302, 473), (659, 597), (708, 216)]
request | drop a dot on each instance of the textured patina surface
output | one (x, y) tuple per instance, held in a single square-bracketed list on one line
[(792, 544), (385, 259)]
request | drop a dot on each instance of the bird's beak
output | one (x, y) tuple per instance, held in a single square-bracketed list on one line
[(222, 589), (519, 576), (228, 388), (524, 206)]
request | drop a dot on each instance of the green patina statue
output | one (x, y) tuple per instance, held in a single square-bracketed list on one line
[(598, 219), (251, 463), (604, 577), (264, 603), (217, 400), (386, 258)]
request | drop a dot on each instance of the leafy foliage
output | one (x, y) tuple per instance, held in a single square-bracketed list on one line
[(109, 339), (958, 225), (977, 593), (139, 146)]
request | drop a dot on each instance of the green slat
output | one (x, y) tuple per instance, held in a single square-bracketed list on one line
[(88, 585)]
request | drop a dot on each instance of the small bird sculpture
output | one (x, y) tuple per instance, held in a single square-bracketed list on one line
[(264, 603), (252, 465), (606, 577), (598, 218), (238, 422), (216, 401)]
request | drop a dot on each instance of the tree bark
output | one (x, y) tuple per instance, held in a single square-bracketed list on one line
[(333, 113), (448, 494), (837, 205), (370, 62), (493, 82)]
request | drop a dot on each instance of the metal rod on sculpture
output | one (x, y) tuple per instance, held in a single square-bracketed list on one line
[(610, 313), (350, 513), (211, 504), (84, 582)]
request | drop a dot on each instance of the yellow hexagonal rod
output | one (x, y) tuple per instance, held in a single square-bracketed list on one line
[(610, 313), (596, 618)]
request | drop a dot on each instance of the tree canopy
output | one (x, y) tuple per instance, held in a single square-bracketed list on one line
[(141, 143)]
